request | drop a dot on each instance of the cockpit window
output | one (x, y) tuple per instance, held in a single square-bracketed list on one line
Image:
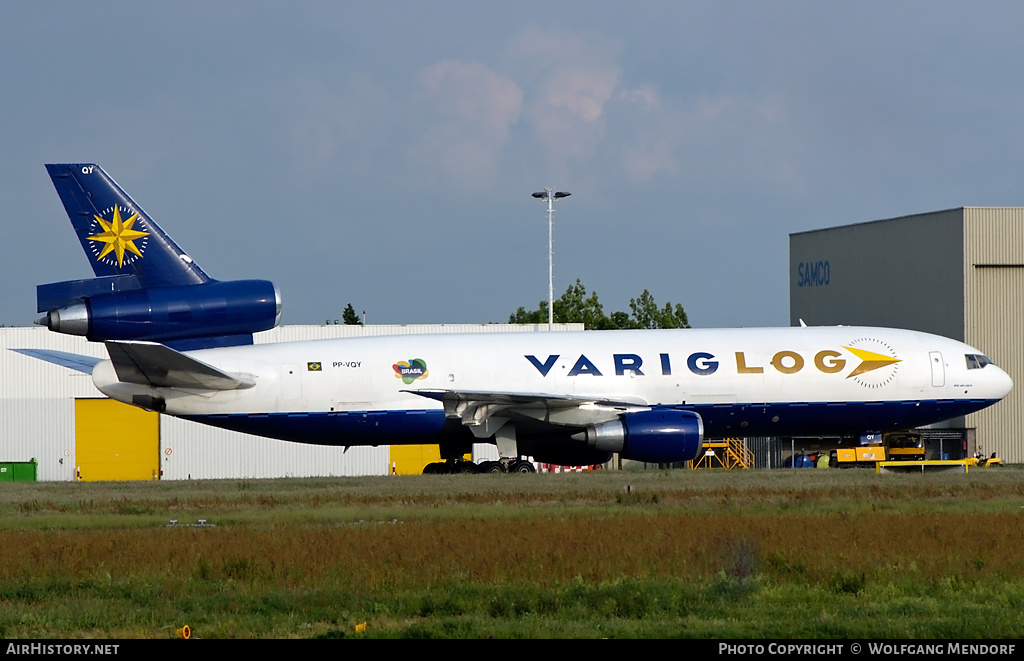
[(975, 361)]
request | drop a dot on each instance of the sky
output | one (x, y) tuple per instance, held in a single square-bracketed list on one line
[(383, 154)]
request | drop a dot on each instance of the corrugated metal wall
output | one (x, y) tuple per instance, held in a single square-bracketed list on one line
[(329, 331), (37, 400), (190, 451), (994, 317)]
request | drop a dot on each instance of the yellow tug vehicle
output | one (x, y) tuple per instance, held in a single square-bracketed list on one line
[(985, 462), (872, 448)]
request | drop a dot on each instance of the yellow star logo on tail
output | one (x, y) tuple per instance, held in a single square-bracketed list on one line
[(871, 361), (118, 237)]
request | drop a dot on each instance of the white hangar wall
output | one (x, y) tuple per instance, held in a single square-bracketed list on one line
[(37, 400), (37, 410), (957, 273)]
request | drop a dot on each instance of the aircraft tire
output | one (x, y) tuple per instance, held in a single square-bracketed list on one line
[(521, 466), (491, 467), (466, 467)]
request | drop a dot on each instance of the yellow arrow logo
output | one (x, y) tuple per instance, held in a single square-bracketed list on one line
[(871, 361)]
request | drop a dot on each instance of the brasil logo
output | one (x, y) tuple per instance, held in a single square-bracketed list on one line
[(409, 371)]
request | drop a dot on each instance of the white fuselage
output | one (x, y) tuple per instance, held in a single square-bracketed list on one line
[(724, 374)]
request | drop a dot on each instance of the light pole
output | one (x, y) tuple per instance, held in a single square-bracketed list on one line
[(550, 195)]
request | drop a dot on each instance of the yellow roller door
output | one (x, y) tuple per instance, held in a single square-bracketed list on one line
[(114, 441), (410, 459)]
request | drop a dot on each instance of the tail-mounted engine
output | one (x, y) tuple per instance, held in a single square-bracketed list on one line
[(226, 312)]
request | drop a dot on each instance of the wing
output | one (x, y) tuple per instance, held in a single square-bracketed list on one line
[(73, 361), (152, 364), (484, 412)]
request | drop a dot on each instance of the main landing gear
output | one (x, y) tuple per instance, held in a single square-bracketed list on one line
[(504, 434), (452, 467)]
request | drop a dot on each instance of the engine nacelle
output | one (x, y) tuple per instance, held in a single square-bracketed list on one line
[(657, 436), (160, 314)]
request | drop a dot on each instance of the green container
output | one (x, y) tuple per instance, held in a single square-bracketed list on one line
[(26, 471), (19, 471)]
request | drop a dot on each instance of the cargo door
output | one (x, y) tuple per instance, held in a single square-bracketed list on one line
[(938, 369), (291, 382)]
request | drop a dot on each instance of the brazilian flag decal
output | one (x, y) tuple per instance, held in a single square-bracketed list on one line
[(313, 367)]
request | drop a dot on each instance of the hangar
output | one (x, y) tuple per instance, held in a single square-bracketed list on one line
[(56, 416), (957, 273)]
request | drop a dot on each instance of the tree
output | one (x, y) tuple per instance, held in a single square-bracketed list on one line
[(524, 316), (647, 315), (574, 306), (349, 316)]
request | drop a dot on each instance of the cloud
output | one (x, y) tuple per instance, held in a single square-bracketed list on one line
[(567, 112), (581, 91), (331, 125), (571, 79), (471, 110)]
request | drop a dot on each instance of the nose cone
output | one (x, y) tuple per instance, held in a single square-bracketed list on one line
[(998, 382)]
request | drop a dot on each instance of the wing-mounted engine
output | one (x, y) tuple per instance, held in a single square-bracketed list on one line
[(209, 314), (656, 436)]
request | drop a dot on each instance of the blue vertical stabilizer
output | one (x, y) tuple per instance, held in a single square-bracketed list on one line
[(116, 234), (146, 287)]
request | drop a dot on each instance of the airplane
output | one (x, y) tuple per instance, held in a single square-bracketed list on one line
[(180, 343)]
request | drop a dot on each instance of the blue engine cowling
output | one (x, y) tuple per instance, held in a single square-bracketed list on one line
[(657, 436), (161, 314)]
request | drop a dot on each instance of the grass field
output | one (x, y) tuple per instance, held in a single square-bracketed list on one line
[(805, 553)]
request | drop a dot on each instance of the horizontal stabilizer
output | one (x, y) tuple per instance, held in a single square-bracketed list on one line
[(210, 342), (148, 363), (73, 361)]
